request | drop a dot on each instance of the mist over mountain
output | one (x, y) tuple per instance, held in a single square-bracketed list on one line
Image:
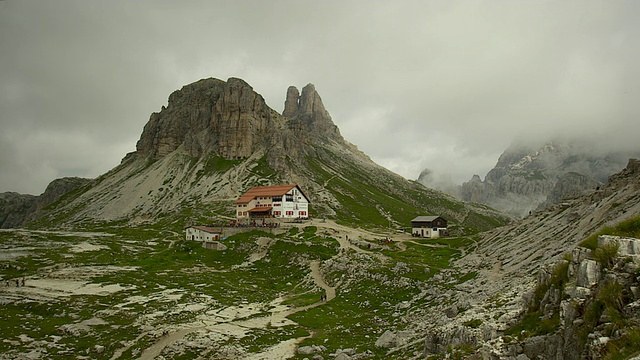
[(531, 175)]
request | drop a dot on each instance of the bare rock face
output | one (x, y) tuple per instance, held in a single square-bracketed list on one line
[(13, 208), (307, 116), (231, 120), (570, 185), (227, 118), (528, 178), (291, 103)]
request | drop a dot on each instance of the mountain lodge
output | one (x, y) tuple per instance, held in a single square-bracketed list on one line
[(277, 201), (202, 233), (429, 227)]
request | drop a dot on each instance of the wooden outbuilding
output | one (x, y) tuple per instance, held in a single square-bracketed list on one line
[(429, 227)]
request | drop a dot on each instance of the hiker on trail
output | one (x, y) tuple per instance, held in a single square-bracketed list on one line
[(22, 281), (17, 283)]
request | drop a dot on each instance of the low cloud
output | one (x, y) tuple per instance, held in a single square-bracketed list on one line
[(440, 85)]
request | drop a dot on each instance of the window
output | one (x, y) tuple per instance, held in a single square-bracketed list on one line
[(239, 213)]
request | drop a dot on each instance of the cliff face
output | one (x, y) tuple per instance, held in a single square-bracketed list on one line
[(307, 116), (211, 115), (527, 178)]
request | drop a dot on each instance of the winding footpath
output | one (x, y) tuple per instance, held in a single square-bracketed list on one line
[(282, 350)]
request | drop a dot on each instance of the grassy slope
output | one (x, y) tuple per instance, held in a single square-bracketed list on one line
[(379, 200)]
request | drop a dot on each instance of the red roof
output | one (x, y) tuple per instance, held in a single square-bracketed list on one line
[(207, 229), (261, 209), (275, 190)]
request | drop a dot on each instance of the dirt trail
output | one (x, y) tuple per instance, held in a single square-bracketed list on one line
[(154, 350), (317, 277), (345, 235)]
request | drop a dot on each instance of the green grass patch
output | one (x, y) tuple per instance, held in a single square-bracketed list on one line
[(627, 228)]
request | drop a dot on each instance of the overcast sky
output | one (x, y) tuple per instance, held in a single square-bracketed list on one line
[(445, 85)]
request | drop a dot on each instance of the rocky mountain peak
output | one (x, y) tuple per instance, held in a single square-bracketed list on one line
[(229, 119), (307, 116), (532, 176), (291, 103), (210, 116)]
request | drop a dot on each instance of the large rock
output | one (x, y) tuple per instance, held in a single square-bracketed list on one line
[(627, 246), (387, 340), (291, 102), (588, 273)]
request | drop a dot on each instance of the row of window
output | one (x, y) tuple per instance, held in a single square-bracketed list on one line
[(287, 213)]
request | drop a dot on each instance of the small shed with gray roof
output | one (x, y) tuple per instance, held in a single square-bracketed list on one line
[(429, 227)]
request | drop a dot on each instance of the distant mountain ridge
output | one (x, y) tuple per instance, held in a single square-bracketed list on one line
[(529, 177), (215, 139)]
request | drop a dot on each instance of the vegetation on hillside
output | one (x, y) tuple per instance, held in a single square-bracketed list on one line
[(628, 228), (128, 287)]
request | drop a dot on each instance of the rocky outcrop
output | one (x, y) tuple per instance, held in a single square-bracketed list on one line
[(14, 208), (527, 178), (56, 189), (506, 260), (570, 185), (585, 304), (211, 116), (307, 116), (291, 103), (17, 209)]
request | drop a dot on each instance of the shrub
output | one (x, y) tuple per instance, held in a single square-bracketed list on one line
[(474, 324), (630, 228), (611, 295), (606, 254)]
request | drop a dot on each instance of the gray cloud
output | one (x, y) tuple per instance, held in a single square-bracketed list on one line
[(414, 84)]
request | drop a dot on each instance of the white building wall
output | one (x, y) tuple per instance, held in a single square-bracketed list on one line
[(199, 235), (433, 233)]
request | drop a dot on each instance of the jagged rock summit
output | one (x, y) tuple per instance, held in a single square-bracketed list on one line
[(231, 120), (210, 115), (307, 115), (530, 177)]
